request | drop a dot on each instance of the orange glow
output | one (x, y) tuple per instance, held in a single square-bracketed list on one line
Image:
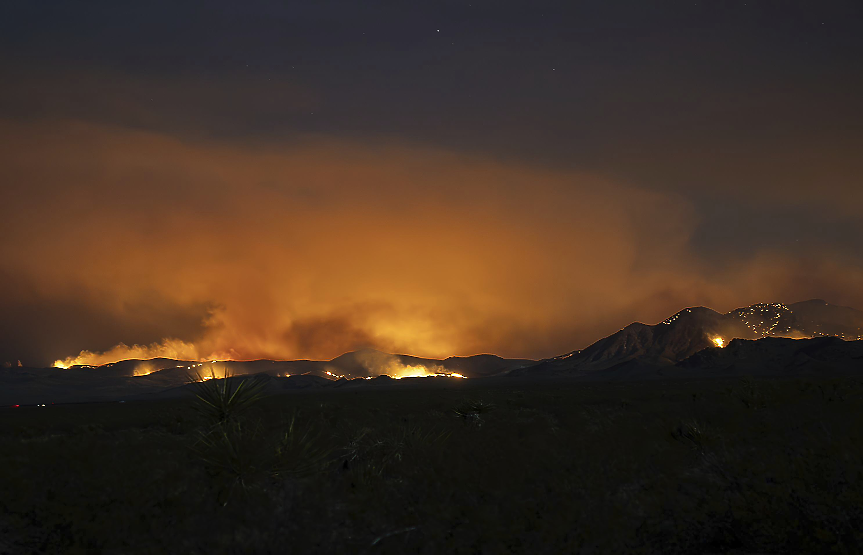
[(718, 341), (443, 375), (144, 369), (313, 248), (169, 348), (415, 371), (213, 372), (419, 371)]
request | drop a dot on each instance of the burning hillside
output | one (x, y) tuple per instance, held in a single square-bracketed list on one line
[(692, 330)]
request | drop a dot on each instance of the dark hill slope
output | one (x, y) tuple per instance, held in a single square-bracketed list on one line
[(675, 339), (817, 317), (694, 329), (779, 356), (146, 378)]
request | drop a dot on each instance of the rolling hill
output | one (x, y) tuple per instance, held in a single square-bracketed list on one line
[(692, 330), (764, 339)]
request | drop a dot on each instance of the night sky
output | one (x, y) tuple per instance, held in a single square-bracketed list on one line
[(299, 179)]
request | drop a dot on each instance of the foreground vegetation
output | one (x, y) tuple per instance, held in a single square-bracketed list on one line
[(482, 467)]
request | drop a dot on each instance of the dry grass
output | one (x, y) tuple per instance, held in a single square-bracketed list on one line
[(677, 468)]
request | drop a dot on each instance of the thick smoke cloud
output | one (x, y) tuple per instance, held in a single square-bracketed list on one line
[(310, 248)]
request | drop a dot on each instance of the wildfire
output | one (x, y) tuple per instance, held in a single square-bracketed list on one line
[(168, 348), (718, 341), (214, 372), (400, 371), (415, 371), (419, 371), (144, 369)]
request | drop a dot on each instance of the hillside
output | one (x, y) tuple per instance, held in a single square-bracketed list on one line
[(166, 377), (761, 339), (693, 330)]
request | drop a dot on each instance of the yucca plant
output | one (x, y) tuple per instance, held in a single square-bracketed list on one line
[(470, 411), (231, 453), (222, 400), (474, 407), (415, 437), (300, 451), (370, 455)]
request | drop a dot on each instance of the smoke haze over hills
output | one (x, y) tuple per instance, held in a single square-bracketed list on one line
[(214, 249), (298, 181), (694, 342)]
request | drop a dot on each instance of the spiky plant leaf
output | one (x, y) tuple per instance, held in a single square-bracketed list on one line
[(222, 400), (300, 451)]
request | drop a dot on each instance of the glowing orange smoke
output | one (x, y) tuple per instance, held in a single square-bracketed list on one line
[(419, 371), (313, 248), (169, 348)]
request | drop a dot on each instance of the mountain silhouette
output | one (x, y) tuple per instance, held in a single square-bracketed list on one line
[(156, 378), (803, 338), (693, 330), (772, 356)]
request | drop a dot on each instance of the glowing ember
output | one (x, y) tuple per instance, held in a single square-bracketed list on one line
[(719, 342)]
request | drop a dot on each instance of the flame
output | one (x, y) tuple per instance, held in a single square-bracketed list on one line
[(144, 369), (382, 364), (718, 341), (420, 371), (433, 375), (412, 371), (211, 368)]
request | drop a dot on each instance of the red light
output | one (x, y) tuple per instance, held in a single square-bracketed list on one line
[(15, 406)]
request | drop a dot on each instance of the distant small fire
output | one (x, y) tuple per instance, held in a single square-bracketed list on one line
[(419, 371), (144, 369), (174, 349), (719, 342), (411, 371), (401, 371)]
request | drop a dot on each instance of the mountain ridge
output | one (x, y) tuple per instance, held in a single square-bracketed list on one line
[(764, 338), (695, 329)]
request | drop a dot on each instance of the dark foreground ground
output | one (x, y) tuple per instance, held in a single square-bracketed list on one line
[(716, 466)]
